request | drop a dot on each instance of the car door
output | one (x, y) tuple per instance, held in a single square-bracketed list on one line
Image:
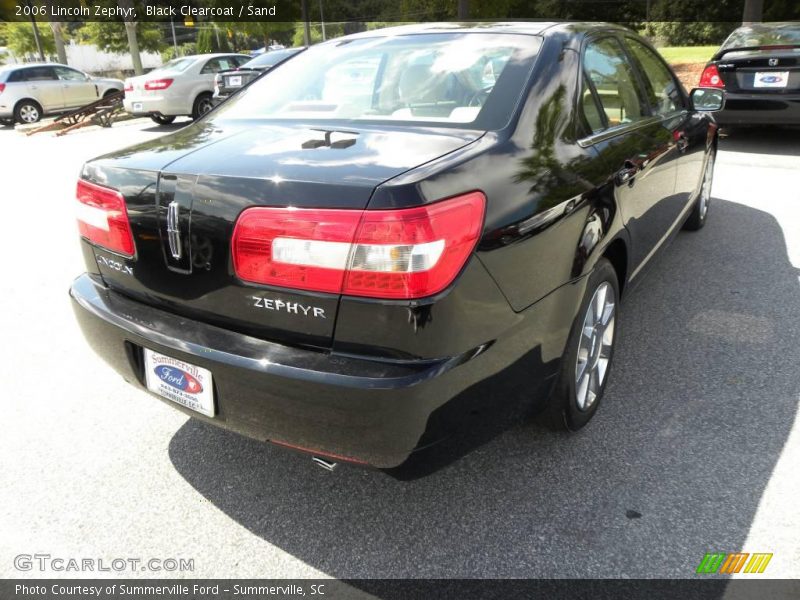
[(43, 85), (689, 129), (639, 152), (78, 88)]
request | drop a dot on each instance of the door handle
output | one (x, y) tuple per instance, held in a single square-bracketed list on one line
[(627, 173)]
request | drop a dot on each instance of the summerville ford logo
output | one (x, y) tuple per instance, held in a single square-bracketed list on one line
[(178, 379)]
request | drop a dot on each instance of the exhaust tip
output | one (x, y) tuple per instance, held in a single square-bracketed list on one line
[(325, 464)]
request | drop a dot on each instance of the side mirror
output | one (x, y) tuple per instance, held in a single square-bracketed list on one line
[(707, 99)]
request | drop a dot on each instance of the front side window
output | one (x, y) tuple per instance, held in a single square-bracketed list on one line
[(614, 80), (444, 78), (663, 95), (69, 74)]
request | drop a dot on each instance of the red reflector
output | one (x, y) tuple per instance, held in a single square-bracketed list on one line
[(2, 87), (157, 84), (406, 253), (711, 78), (103, 218)]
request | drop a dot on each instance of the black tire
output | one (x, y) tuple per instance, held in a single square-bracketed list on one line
[(202, 104), (7, 122), (110, 92), (27, 112), (699, 215), (563, 411), (162, 119)]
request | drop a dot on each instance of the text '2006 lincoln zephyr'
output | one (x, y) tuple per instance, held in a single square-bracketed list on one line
[(393, 230)]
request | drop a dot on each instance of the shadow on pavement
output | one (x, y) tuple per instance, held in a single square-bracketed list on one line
[(699, 406), (762, 140)]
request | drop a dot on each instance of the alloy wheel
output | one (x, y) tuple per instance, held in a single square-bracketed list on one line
[(595, 346), (29, 113), (204, 105)]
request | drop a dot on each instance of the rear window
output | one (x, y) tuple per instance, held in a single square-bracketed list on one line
[(449, 79), (271, 58), (778, 34), (176, 65)]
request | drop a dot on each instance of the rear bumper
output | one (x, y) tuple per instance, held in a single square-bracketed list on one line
[(759, 109), (146, 105), (349, 408)]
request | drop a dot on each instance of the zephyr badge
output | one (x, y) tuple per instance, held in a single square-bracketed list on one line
[(174, 230)]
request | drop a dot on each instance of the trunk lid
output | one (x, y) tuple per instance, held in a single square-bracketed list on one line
[(761, 71), (184, 192)]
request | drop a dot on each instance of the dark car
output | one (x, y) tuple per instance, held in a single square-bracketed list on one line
[(395, 232), (758, 66), (232, 80)]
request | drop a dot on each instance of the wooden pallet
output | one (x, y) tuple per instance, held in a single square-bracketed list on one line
[(101, 112)]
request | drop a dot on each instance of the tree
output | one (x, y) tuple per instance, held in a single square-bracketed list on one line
[(752, 12), (112, 36), (19, 37), (58, 41)]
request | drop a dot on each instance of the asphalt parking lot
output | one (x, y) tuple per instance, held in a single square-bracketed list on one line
[(695, 449)]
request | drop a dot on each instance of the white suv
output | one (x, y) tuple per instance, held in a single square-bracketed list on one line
[(183, 86), (28, 92)]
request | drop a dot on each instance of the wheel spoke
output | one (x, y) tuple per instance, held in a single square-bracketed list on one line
[(602, 367), (583, 390), (600, 301)]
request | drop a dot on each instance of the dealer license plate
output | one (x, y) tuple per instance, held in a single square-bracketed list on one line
[(771, 79), (137, 106), (179, 381), (235, 81)]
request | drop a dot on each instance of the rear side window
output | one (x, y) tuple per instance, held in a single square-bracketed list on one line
[(215, 65), (16, 76), (614, 80), (40, 74), (663, 96)]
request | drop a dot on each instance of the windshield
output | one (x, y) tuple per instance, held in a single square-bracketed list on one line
[(176, 65), (464, 78), (269, 59), (774, 34)]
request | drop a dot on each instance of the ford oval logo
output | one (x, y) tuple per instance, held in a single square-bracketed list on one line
[(771, 79), (178, 379)]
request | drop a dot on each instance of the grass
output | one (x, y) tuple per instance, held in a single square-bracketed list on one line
[(677, 55)]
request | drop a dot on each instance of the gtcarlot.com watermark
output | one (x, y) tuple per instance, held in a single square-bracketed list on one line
[(62, 564)]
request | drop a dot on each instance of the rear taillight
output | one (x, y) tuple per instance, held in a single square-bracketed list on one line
[(128, 86), (406, 253), (103, 219), (711, 78), (2, 87), (157, 84)]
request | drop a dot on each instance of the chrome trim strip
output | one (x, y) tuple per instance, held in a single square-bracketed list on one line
[(618, 130)]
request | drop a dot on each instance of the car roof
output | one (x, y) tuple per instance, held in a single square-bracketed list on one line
[(515, 27), (212, 55), (35, 64)]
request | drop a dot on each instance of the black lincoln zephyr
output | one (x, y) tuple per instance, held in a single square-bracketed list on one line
[(394, 228)]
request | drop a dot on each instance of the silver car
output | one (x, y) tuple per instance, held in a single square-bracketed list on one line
[(28, 92), (183, 86)]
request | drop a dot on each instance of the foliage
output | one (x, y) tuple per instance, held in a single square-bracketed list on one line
[(19, 37), (185, 49), (112, 37)]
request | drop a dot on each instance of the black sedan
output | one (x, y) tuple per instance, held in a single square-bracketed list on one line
[(232, 80), (397, 235), (758, 66)]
